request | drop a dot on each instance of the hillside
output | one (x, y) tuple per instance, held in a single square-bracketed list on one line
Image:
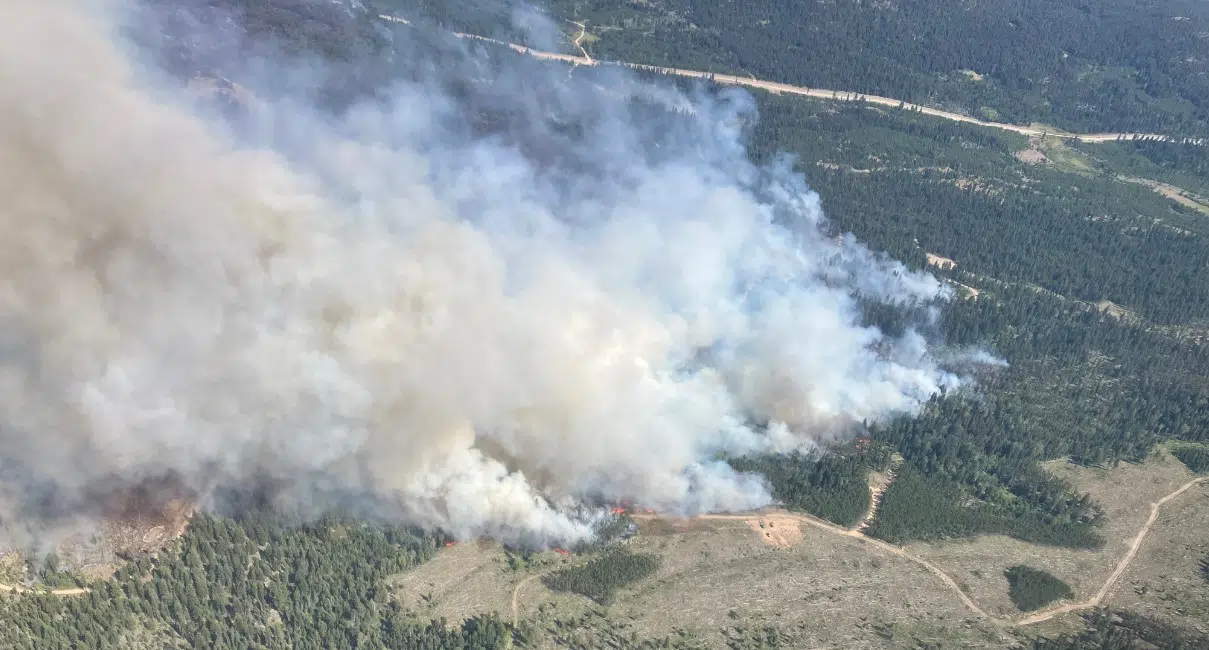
[(1124, 65), (1078, 265)]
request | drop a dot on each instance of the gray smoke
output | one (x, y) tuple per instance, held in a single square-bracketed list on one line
[(466, 329)]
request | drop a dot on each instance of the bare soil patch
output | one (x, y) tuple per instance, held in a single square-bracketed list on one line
[(1177, 194), (776, 530), (1032, 156), (940, 262)]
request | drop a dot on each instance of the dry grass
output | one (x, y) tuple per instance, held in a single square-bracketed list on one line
[(467, 579), (1125, 493), (1031, 156), (838, 592), (1065, 158), (837, 588), (1165, 580)]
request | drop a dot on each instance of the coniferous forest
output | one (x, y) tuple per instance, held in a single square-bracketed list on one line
[(601, 577), (1117, 65), (1031, 589), (1093, 292), (251, 582)]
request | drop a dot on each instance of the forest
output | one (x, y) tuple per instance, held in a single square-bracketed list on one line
[(1116, 65), (1046, 247), (831, 486), (601, 577), (1095, 293), (1031, 589), (253, 582), (1196, 457)]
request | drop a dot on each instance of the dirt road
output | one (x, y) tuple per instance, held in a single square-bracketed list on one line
[(583, 31), (74, 591), (889, 548), (1121, 566), (1094, 601), (516, 594), (818, 93)]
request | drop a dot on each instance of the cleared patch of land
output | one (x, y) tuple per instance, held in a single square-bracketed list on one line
[(1126, 494), (463, 580), (776, 530), (1165, 578), (834, 591), (940, 262), (1179, 195), (839, 591), (834, 587)]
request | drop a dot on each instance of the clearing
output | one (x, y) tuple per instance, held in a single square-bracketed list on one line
[(1126, 493), (838, 587), (940, 262), (776, 530)]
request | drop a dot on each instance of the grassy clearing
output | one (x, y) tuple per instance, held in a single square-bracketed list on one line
[(1166, 579), (467, 579), (1066, 159), (1125, 493), (717, 585)]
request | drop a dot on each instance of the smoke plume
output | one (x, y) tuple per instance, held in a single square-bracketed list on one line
[(466, 322)]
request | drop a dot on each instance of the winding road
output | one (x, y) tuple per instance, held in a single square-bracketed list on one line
[(1121, 566), (816, 93), (945, 578)]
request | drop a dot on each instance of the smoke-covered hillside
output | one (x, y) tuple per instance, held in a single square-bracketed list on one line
[(468, 292)]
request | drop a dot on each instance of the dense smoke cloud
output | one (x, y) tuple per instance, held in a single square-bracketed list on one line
[(468, 328)]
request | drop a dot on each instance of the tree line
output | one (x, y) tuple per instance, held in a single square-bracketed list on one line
[(252, 582)]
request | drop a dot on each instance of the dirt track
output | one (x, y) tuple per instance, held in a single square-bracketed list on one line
[(516, 594), (1121, 566), (74, 591), (817, 93), (1094, 601)]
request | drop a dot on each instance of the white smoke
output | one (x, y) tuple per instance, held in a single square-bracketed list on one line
[(393, 309)]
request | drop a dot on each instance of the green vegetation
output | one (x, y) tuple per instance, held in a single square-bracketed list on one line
[(603, 575), (765, 637), (1183, 166), (1120, 630), (607, 532), (1195, 456), (50, 575), (1117, 65), (251, 583), (922, 507), (895, 178), (1047, 247), (593, 628), (1031, 589), (833, 486)]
